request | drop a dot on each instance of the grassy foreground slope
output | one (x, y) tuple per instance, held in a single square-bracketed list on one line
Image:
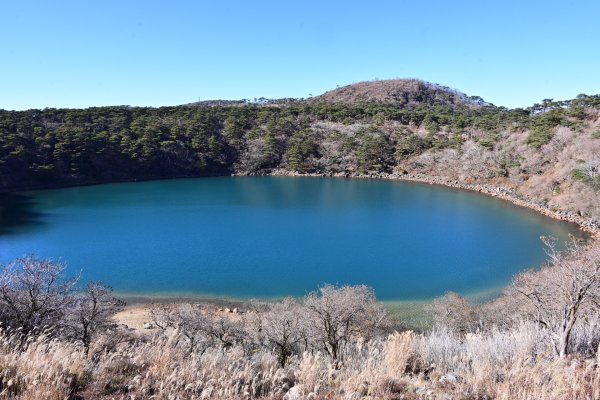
[(409, 127)]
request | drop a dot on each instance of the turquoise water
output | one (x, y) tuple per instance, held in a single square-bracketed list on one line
[(275, 236)]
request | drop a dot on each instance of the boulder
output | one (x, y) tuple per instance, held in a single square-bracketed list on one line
[(293, 394), (449, 378)]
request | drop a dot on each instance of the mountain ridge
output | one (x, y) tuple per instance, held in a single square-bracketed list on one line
[(401, 92)]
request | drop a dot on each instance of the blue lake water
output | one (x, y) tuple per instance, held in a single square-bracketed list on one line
[(274, 236)]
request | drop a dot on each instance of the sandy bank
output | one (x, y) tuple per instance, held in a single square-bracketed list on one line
[(134, 316), (136, 313)]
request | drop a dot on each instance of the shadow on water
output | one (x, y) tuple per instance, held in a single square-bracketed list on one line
[(18, 214)]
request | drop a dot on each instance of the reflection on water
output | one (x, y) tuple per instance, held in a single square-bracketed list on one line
[(18, 214)]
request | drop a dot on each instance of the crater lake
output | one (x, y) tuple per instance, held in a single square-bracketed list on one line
[(264, 237)]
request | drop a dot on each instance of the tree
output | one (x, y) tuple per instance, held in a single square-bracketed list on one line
[(199, 326), (34, 293), (547, 104), (375, 153), (281, 328), (301, 147), (91, 313), (539, 136), (340, 314), (410, 145), (558, 295), (453, 312), (587, 171), (223, 330), (189, 321)]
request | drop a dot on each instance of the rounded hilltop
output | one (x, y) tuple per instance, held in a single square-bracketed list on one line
[(402, 92)]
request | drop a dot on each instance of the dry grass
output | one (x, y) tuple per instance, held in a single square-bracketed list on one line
[(513, 364), (40, 368)]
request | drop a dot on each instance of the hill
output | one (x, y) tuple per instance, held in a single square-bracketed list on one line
[(399, 92)]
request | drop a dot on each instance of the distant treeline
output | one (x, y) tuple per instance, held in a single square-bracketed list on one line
[(51, 147)]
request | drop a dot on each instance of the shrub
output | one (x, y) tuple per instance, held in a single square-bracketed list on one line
[(539, 136)]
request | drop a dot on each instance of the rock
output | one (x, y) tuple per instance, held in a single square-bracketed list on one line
[(293, 394), (422, 390), (148, 325), (449, 378), (189, 387), (235, 311), (227, 310), (363, 389)]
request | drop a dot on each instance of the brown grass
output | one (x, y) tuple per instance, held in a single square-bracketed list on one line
[(513, 364)]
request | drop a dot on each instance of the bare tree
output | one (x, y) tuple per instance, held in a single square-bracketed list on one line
[(91, 313), (224, 330), (503, 312), (590, 169), (162, 315), (562, 292), (190, 321), (339, 314), (280, 327), (453, 312), (198, 325), (34, 293)]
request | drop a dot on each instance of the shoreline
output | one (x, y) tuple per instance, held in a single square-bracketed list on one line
[(135, 314), (410, 313), (587, 225), (94, 182)]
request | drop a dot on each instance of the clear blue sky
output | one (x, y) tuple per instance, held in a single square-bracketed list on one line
[(82, 53)]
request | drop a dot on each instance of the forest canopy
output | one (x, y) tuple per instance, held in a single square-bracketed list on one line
[(51, 147)]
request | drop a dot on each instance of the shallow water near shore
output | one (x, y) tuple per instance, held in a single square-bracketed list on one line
[(267, 237)]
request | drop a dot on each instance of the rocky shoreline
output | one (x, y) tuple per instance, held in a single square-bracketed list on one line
[(588, 225)]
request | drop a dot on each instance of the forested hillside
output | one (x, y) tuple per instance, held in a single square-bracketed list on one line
[(549, 151)]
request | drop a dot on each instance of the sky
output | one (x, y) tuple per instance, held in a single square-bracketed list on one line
[(83, 53)]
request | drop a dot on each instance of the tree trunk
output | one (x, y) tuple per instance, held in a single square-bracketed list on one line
[(565, 337)]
